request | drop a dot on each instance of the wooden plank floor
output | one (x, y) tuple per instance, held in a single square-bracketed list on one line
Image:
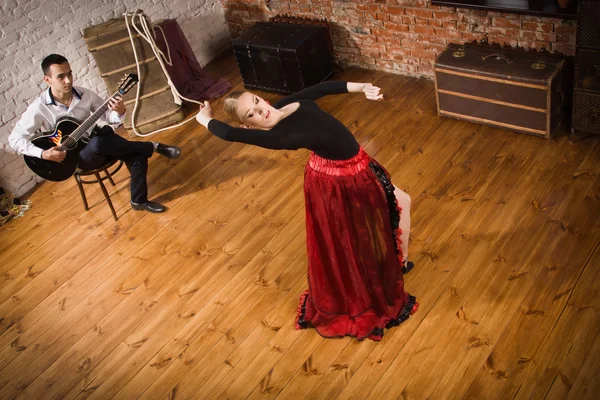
[(200, 302)]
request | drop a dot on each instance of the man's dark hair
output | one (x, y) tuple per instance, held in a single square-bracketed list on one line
[(52, 59)]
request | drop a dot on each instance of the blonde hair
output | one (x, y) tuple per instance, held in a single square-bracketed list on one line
[(230, 105)]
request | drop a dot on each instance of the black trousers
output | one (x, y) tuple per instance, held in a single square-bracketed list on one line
[(106, 144)]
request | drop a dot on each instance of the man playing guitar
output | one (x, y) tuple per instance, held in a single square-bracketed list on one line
[(63, 99)]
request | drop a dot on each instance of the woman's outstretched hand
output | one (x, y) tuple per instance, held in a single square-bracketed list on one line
[(205, 109), (372, 92), (204, 114)]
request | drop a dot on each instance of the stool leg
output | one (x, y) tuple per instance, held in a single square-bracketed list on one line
[(80, 186), (112, 209), (110, 179)]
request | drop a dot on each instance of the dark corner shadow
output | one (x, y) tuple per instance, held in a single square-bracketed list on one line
[(237, 167)]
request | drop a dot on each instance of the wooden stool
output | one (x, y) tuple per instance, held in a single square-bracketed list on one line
[(96, 172)]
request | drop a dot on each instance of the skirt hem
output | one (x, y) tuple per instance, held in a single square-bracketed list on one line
[(376, 334)]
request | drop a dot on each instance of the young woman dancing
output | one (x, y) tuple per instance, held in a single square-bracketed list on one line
[(357, 221)]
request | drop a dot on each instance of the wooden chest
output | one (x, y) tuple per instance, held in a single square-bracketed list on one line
[(513, 89), (282, 57), (111, 48), (586, 99)]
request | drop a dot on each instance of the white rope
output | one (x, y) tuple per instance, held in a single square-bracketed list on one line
[(148, 34)]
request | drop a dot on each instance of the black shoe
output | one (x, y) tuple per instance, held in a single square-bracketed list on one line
[(151, 206), (168, 151), (407, 267)]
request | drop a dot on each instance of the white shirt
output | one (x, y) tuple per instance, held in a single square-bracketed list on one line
[(42, 114)]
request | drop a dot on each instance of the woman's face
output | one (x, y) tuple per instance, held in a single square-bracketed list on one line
[(255, 112)]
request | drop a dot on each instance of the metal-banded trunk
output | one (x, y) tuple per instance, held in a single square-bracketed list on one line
[(586, 101), (282, 57), (111, 48), (509, 88)]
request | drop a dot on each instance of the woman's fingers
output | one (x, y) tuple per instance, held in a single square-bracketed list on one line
[(372, 92), (205, 108)]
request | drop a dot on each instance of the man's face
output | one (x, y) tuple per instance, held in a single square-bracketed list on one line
[(60, 79)]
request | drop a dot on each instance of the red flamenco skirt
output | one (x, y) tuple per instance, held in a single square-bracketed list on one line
[(356, 286)]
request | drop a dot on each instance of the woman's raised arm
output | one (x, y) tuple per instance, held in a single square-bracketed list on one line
[(331, 87), (269, 139)]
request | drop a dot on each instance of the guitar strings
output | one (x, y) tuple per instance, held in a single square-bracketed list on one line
[(74, 137)]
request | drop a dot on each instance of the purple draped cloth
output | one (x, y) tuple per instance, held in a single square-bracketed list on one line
[(186, 73)]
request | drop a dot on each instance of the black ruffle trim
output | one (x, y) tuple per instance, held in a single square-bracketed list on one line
[(303, 323), (402, 316), (389, 189)]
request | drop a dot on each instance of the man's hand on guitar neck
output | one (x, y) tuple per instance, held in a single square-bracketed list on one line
[(53, 154), (116, 104)]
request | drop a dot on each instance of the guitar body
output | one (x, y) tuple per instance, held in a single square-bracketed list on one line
[(52, 170)]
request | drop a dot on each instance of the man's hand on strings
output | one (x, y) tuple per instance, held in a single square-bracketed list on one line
[(54, 154)]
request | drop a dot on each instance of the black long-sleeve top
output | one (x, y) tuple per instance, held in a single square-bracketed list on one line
[(308, 127)]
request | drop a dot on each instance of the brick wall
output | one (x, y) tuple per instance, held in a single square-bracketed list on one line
[(405, 36), (31, 29)]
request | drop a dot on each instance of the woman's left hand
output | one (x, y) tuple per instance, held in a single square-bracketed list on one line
[(204, 114), (205, 110), (372, 92)]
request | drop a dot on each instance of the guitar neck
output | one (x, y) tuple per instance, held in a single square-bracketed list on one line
[(91, 120)]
